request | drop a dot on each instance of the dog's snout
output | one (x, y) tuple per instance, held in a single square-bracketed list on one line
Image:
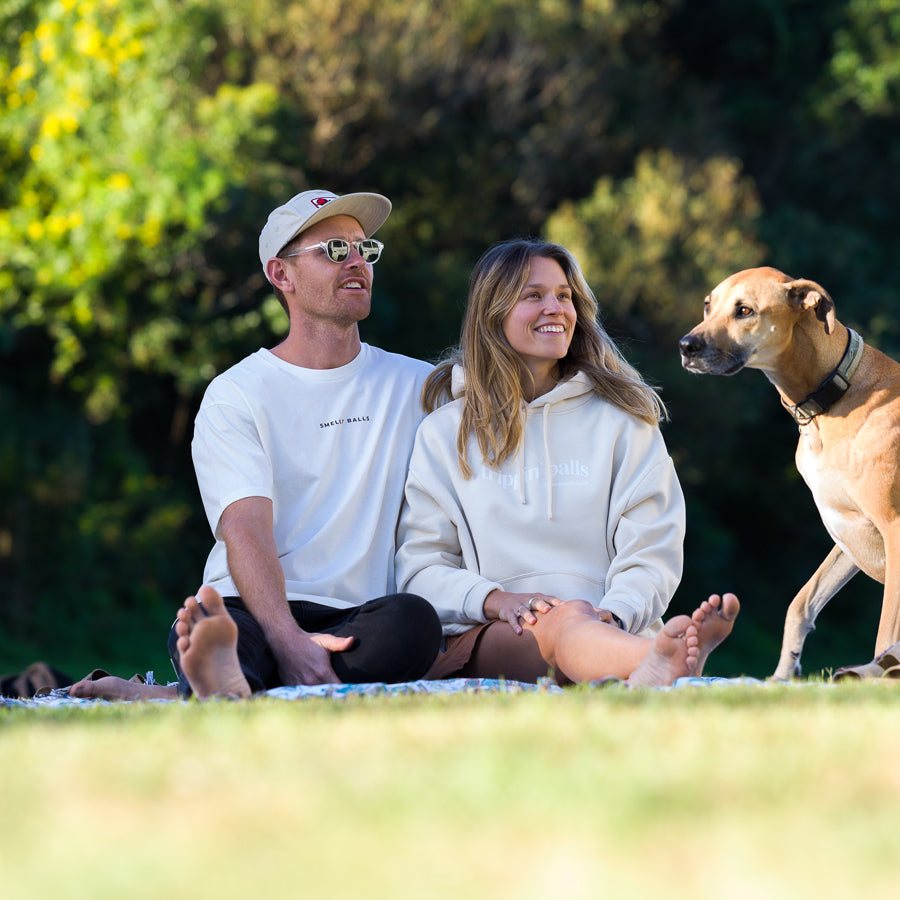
[(690, 345)]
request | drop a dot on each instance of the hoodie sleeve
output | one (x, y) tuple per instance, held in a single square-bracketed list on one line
[(645, 534), (436, 558)]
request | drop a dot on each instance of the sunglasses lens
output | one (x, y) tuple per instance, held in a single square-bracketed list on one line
[(337, 250), (370, 250)]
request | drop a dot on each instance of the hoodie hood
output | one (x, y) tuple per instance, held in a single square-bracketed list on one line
[(575, 386)]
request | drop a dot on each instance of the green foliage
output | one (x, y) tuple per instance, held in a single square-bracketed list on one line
[(119, 156), (91, 532), (658, 236), (476, 118), (113, 172), (865, 67)]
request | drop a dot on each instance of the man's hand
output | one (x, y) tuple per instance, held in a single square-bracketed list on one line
[(305, 658), (302, 657), (606, 616)]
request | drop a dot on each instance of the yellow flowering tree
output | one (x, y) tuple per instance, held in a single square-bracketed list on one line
[(119, 143)]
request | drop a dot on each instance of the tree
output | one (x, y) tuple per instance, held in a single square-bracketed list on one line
[(118, 155), (123, 159), (652, 242), (476, 118)]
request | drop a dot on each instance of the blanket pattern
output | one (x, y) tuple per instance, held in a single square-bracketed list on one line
[(59, 697)]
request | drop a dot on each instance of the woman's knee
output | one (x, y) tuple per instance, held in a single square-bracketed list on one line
[(552, 626), (583, 607), (570, 611)]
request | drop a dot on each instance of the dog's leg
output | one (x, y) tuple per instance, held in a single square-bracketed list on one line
[(889, 624), (836, 570)]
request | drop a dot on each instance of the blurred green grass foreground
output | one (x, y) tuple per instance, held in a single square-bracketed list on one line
[(728, 792)]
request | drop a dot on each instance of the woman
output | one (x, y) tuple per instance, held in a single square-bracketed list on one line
[(543, 517)]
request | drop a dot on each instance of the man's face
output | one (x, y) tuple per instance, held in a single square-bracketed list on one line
[(324, 290)]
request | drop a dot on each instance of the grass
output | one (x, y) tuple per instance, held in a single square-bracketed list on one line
[(776, 792)]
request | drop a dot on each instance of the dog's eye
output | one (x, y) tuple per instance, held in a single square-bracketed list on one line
[(742, 312)]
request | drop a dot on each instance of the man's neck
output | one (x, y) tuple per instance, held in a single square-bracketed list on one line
[(323, 349)]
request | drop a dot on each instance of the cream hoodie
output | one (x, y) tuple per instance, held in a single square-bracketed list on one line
[(589, 508)]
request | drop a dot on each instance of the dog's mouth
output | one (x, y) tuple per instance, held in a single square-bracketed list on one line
[(733, 369), (717, 364)]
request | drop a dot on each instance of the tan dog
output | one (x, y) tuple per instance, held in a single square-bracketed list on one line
[(845, 396)]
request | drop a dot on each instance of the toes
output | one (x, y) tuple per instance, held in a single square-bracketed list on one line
[(182, 622), (210, 600), (192, 612), (677, 626), (724, 606), (731, 606)]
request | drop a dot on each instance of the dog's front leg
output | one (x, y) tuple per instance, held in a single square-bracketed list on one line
[(836, 570), (889, 623)]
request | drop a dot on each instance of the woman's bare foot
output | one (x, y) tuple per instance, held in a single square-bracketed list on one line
[(714, 619), (111, 687), (673, 655), (207, 647)]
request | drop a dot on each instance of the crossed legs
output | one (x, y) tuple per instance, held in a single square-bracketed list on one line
[(570, 640)]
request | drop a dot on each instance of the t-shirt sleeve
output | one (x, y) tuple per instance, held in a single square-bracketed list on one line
[(230, 460)]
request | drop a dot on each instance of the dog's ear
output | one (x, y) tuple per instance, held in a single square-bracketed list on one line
[(808, 295)]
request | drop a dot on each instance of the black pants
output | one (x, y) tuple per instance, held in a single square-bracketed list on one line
[(397, 639)]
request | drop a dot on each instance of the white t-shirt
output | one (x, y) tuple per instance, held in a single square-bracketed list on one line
[(330, 448)]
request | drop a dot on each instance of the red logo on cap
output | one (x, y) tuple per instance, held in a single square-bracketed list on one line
[(321, 201)]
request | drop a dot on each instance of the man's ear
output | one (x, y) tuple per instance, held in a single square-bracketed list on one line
[(277, 273), (805, 294)]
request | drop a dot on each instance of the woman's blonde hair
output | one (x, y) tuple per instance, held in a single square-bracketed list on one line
[(494, 401)]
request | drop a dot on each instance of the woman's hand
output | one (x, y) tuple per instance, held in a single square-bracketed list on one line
[(518, 608)]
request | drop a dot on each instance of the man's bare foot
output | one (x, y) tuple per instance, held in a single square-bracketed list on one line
[(207, 647), (714, 619), (111, 687), (672, 655)]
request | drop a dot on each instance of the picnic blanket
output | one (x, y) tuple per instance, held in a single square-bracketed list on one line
[(59, 697)]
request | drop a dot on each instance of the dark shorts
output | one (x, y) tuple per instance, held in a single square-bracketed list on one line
[(454, 656)]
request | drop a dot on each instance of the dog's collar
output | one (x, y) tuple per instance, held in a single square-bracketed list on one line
[(832, 388)]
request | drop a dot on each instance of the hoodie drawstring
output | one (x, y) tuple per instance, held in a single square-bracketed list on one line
[(547, 462), (548, 465), (520, 456)]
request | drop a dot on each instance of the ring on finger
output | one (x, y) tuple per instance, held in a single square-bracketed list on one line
[(520, 611), (531, 603)]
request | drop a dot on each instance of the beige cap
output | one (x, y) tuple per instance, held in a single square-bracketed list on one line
[(304, 210)]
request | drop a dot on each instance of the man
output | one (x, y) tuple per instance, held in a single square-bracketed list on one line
[(301, 455)]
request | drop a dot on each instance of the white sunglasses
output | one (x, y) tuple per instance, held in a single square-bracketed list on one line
[(337, 249)]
